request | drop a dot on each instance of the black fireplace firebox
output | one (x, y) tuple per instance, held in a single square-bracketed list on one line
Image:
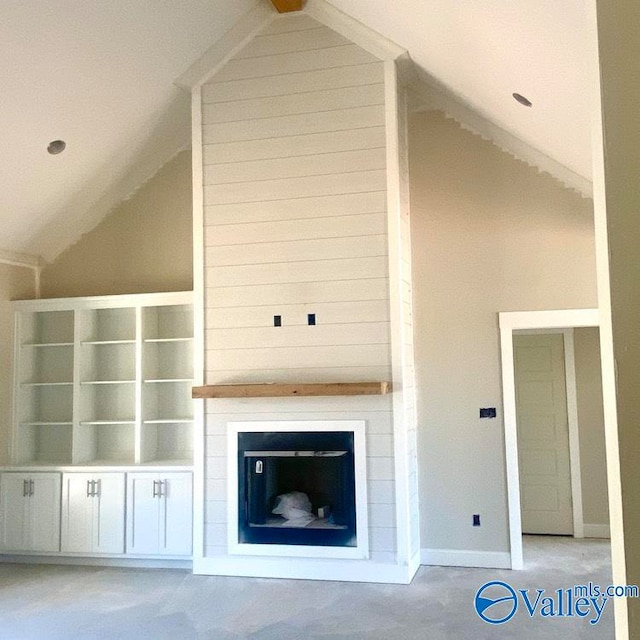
[(276, 468)]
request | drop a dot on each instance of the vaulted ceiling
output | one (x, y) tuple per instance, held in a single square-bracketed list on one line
[(101, 76)]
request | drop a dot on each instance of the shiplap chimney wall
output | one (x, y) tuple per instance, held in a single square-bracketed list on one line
[(305, 211)]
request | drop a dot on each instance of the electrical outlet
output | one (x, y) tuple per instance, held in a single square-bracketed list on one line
[(311, 319), (277, 321), (488, 412), (476, 519)]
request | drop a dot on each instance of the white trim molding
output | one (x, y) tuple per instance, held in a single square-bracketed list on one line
[(197, 178), (303, 569), (16, 259), (27, 261), (429, 94), (466, 558), (97, 561), (261, 15), (574, 432), (226, 47), (523, 321), (371, 41)]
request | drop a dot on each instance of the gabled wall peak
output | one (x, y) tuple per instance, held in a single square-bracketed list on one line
[(261, 16)]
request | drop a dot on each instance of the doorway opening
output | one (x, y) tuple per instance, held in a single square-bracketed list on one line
[(562, 322), (560, 432)]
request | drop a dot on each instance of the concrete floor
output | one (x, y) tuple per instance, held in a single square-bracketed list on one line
[(89, 603)]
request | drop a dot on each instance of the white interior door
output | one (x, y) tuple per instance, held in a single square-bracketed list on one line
[(543, 434)]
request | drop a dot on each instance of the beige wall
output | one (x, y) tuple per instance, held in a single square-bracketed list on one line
[(144, 245), (619, 49), (16, 283), (490, 234), (595, 503)]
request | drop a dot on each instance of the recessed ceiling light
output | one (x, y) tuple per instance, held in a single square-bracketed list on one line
[(56, 146), (518, 97)]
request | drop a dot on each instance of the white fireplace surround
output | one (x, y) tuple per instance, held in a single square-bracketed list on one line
[(357, 427)]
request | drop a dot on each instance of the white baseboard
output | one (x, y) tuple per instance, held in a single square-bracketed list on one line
[(133, 563), (596, 531), (302, 569), (414, 564), (464, 558)]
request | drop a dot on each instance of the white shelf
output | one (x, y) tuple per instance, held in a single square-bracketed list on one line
[(80, 396), (105, 422), (46, 384), (46, 424), (102, 342), (37, 345), (108, 382)]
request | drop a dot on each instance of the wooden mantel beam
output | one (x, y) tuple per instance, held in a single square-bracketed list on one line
[(292, 390), (284, 6)]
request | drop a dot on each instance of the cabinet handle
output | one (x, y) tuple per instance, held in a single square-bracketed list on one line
[(25, 488), (157, 488), (31, 487)]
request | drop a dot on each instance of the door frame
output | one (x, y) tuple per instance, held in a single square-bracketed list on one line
[(534, 321)]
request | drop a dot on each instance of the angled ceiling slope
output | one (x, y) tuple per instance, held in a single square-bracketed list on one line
[(100, 76), (470, 56), (428, 92), (107, 87)]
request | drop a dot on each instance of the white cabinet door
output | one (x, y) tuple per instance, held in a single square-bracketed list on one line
[(110, 500), (142, 513), (176, 516), (77, 513), (93, 513), (14, 511), (30, 512), (159, 517), (44, 512)]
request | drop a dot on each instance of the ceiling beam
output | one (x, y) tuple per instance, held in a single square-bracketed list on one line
[(284, 6)]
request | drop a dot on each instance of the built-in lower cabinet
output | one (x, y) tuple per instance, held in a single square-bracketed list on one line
[(30, 512), (103, 513), (159, 513), (93, 512)]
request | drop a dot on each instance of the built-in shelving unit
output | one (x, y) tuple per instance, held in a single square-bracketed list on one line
[(45, 383), (167, 377), (104, 380)]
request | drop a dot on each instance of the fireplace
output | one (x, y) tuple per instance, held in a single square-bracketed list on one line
[(300, 489), (297, 488)]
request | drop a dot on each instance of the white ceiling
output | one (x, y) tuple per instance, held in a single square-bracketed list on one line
[(100, 75)]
